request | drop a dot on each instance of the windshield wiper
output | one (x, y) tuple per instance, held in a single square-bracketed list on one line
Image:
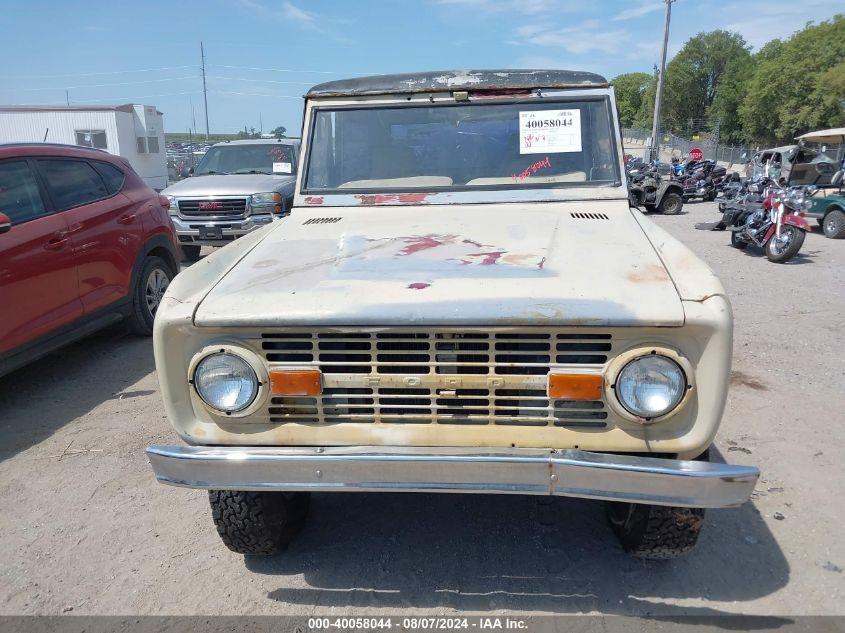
[(252, 171), (213, 172)]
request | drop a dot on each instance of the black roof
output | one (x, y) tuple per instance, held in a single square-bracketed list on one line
[(451, 80)]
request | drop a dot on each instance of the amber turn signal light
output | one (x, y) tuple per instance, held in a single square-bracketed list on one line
[(308, 382), (575, 386)]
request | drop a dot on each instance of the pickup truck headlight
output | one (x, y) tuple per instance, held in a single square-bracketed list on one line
[(174, 207), (651, 386), (225, 382), (271, 197), (272, 200)]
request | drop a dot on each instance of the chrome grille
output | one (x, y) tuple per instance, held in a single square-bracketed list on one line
[(436, 353), (225, 207), (417, 377)]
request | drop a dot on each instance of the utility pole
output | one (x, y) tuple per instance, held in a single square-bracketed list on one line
[(67, 96), (205, 92), (260, 125), (193, 115), (655, 128)]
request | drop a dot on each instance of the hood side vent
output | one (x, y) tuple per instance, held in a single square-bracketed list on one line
[(321, 220), (589, 216)]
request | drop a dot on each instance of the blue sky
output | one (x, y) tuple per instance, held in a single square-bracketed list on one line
[(262, 55)]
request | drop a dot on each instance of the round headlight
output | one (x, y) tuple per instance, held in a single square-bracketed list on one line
[(225, 382), (650, 386)]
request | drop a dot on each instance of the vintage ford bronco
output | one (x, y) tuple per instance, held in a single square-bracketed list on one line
[(461, 300)]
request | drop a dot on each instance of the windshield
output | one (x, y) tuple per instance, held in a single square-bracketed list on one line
[(266, 158), (512, 145)]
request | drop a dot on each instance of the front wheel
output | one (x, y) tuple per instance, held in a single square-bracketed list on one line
[(149, 289), (783, 248), (655, 532), (258, 523), (191, 252), (671, 204), (736, 242), (834, 225)]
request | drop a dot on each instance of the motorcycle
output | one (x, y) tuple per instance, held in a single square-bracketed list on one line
[(777, 225), (704, 181)]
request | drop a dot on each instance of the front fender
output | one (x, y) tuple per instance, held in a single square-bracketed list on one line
[(797, 221)]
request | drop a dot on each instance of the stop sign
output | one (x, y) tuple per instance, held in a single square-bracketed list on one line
[(696, 154)]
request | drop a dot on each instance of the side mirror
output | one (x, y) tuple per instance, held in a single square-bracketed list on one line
[(835, 181), (5, 223)]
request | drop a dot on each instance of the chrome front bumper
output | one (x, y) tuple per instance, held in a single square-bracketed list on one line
[(568, 473), (234, 228)]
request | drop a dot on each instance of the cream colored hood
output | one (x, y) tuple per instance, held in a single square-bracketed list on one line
[(571, 263)]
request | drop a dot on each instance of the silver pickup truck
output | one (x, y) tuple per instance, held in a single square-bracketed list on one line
[(238, 187)]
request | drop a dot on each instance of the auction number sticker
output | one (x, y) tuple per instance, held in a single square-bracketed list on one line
[(282, 168), (549, 131)]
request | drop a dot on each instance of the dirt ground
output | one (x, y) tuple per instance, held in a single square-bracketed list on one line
[(86, 530)]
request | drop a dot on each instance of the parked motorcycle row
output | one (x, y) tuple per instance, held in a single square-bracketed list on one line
[(762, 210)]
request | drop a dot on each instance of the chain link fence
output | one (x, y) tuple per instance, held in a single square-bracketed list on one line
[(672, 145)]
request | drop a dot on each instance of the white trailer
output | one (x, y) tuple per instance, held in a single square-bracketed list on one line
[(135, 132)]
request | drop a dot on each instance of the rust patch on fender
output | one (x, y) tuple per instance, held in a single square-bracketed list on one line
[(744, 380), (650, 273), (418, 285)]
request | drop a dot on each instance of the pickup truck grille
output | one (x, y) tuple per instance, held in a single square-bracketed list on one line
[(207, 208), (418, 377)]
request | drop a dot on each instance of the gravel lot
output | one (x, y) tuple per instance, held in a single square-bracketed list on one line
[(86, 529)]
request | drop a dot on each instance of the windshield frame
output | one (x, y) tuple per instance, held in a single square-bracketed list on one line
[(528, 191), (228, 146)]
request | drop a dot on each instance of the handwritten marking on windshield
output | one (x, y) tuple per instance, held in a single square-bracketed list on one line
[(533, 169)]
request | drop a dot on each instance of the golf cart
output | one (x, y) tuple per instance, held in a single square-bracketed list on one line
[(826, 173)]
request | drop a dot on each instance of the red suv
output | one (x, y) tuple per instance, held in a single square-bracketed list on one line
[(83, 243)]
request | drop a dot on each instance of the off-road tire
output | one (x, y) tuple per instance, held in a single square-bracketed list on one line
[(141, 318), (834, 225), (191, 252), (650, 208), (711, 197), (737, 243), (258, 523), (655, 532), (791, 251), (671, 204)]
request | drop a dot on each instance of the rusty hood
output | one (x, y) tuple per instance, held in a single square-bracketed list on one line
[(571, 263)]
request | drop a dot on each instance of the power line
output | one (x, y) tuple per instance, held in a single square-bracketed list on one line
[(106, 72), (287, 70), (129, 99), (122, 83), (255, 94), (268, 81)]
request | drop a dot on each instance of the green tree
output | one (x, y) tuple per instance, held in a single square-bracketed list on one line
[(279, 132), (797, 85), (730, 94), (694, 74), (630, 89)]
